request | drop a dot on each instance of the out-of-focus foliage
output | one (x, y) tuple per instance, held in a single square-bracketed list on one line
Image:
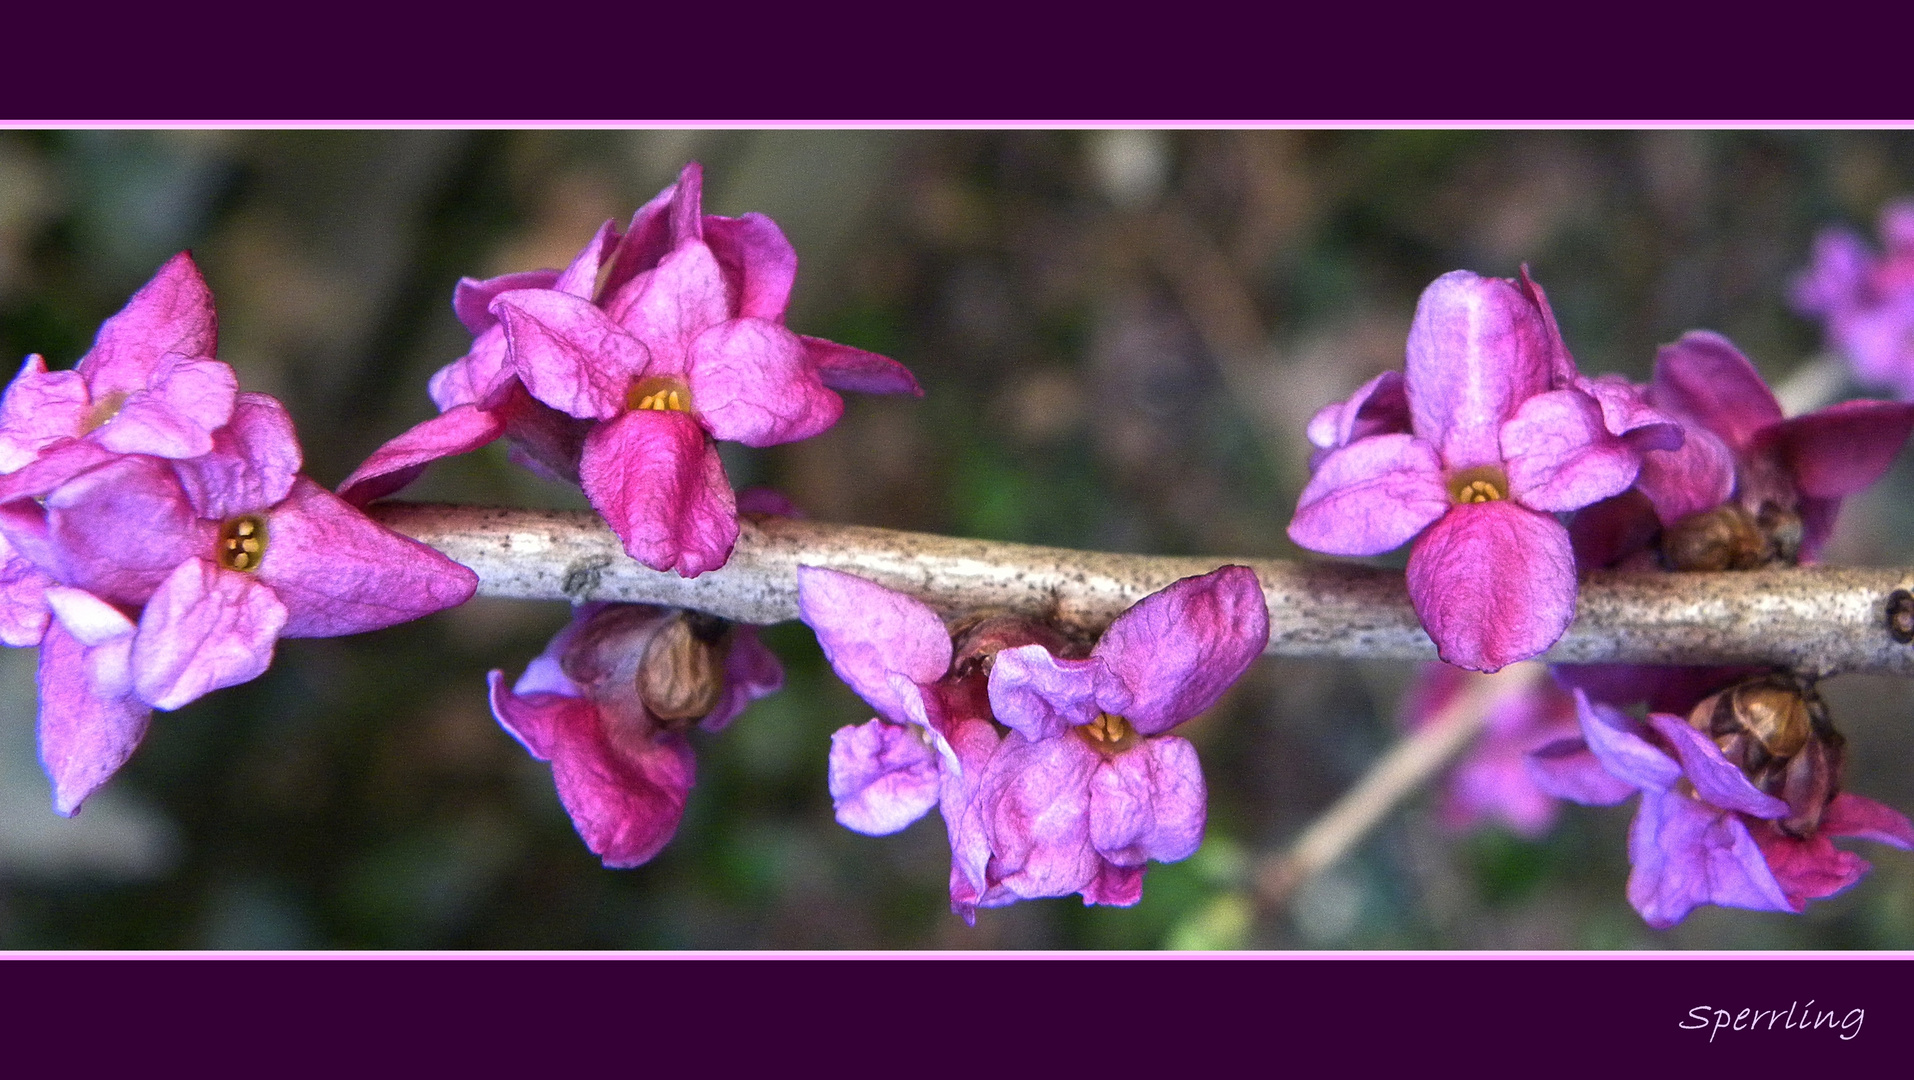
[(1121, 335)]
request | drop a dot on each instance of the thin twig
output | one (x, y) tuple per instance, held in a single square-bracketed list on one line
[(1818, 620), (1394, 777)]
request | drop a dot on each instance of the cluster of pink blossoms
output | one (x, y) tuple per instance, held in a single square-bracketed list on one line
[(1698, 470), (1865, 300)]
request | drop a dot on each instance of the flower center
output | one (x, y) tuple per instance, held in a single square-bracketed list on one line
[(103, 411), (661, 393), (1108, 734), (1484, 483), (242, 541)]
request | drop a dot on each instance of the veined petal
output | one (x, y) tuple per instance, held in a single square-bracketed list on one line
[(869, 633), (86, 732), (753, 252), (1686, 854), (1703, 377), (1842, 449), (173, 313), (474, 378), (204, 629), (568, 353), (91, 517), (1371, 496), (1478, 348), (882, 777), (1493, 583), (842, 367), (1810, 869), (1560, 456), (23, 600), (580, 277), (252, 464), (668, 306), (92, 621), (1715, 780), (175, 415), (1626, 755), (1039, 695), (40, 408), (656, 479), (472, 298), (339, 572), (1699, 476), (62, 462), (1149, 802), (1174, 654), (1626, 412), (459, 430), (752, 382), (1114, 886), (625, 795), (533, 717), (1378, 407), (1035, 801)]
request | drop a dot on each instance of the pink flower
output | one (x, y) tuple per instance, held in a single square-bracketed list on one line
[(1501, 436), (1492, 782), (622, 370), (608, 702), (1866, 300)]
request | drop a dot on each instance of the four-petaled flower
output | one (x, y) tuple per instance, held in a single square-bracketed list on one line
[(608, 702), (1501, 436)]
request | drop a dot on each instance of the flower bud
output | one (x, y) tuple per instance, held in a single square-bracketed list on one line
[(1776, 730)]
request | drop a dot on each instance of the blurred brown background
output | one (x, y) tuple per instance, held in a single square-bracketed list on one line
[(1121, 334)]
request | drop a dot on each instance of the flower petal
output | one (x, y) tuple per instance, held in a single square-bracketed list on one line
[(1378, 407), (339, 572), (459, 430), (870, 633), (1478, 348), (252, 464), (753, 252), (1493, 583), (1716, 781), (1854, 815), (472, 298), (1842, 449), (1628, 757), (86, 732), (91, 517), (474, 378), (204, 629), (1371, 496), (1810, 869), (1115, 886), (1626, 412), (656, 479), (1559, 455), (1567, 769), (1149, 802), (844, 368), (752, 382), (40, 408), (175, 415), (533, 716), (882, 777), (171, 314), (23, 600), (751, 671), (1174, 654), (1035, 802), (568, 353), (1699, 476), (1686, 854), (668, 306), (1704, 378), (1039, 695)]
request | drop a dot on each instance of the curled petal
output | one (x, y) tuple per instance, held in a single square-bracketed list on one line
[(844, 368), (474, 378), (1842, 449), (1378, 407), (1567, 770), (870, 633), (657, 481), (883, 777), (459, 430), (1716, 780), (472, 298), (175, 415), (40, 408), (1865, 819), (751, 382), (1699, 476), (1174, 654), (1810, 869), (530, 716), (753, 252), (1686, 854), (1493, 583), (1035, 803), (1703, 377), (87, 731), (751, 671), (1627, 756), (1559, 455), (204, 629), (1115, 886), (252, 463), (339, 572), (1040, 695), (1149, 802), (668, 306), (41, 474), (1626, 412), (23, 601), (1478, 348), (568, 353), (1371, 496), (171, 314)]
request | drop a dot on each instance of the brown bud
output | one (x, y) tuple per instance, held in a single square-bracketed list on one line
[(1776, 730), (1725, 538), (1772, 710), (1810, 783), (682, 674), (975, 644)]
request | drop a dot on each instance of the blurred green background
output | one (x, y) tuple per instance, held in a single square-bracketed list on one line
[(1121, 335)]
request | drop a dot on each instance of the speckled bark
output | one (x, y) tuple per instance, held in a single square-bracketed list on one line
[(1819, 620)]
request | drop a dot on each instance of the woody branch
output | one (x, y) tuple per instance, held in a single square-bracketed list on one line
[(1817, 620)]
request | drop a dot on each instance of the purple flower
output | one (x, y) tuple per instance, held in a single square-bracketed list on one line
[(1492, 783), (1788, 477), (214, 559), (1867, 301), (622, 370), (1501, 436), (1088, 785), (608, 702), (1705, 833)]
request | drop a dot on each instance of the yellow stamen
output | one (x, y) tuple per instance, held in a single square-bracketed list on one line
[(1484, 483), (1109, 734), (242, 543), (660, 393)]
